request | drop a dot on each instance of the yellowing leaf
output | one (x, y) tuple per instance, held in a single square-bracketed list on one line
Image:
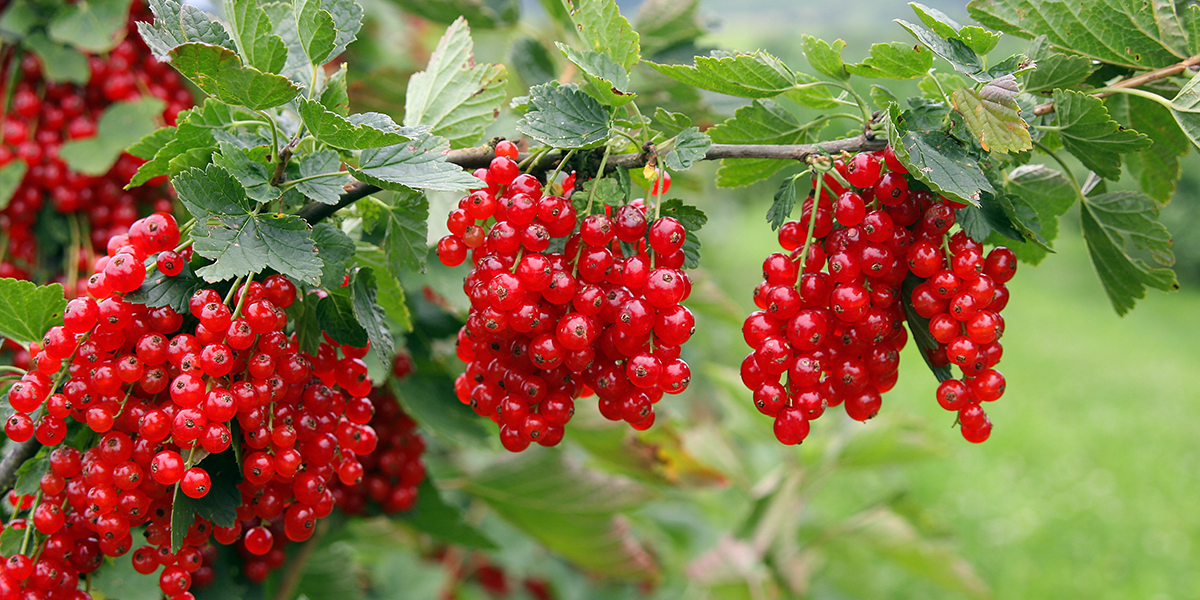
[(993, 116)]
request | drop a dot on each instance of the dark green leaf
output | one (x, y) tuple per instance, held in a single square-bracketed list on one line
[(152, 142), (954, 51), (316, 29), (602, 28), (761, 122), (573, 511), (253, 174), (1091, 135), (160, 290), (484, 14), (532, 61), (925, 115), (1131, 34), (28, 310), (218, 506), (1055, 69), (607, 81), (670, 124), (419, 164), (254, 35), (327, 189), (564, 117), (1110, 222), (29, 475), (356, 132), (241, 245), (220, 73), (979, 222), (824, 57), (335, 249), (894, 61), (11, 539), (690, 146), (918, 326), (434, 516), (59, 61), (121, 125), (176, 24), (1050, 194), (196, 136), (405, 232), (391, 296), (692, 219), (212, 191), (980, 40), (11, 176), (1157, 168), (666, 24), (937, 160), (94, 26), (430, 399), (120, 581), (454, 96), (785, 201), (303, 314), (336, 317), (369, 313), (993, 116)]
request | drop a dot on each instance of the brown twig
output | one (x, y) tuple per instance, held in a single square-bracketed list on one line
[(1133, 82)]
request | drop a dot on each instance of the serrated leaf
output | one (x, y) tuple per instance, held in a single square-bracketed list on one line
[(28, 311), (334, 97), (255, 176), (326, 190), (1131, 34), (745, 75), (30, 473), (925, 115), (1091, 135), (161, 290), (356, 132), (670, 123), (429, 398), (391, 295), (979, 39), (1110, 222), (211, 192), (482, 14), (418, 164), (121, 125), (993, 116), (335, 249), (405, 228), (433, 515), (176, 24), (894, 61), (219, 505), (1156, 169), (937, 160), (762, 122), (335, 314), (254, 35), (11, 176), (1050, 194), (93, 25), (347, 19), (1186, 113), (370, 315), (318, 33), (607, 80), (954, 51), (532, 61), (454, 96), (666, 24), (690, 146), (826, 58), (152, 142), (573, 511), (781, 207), (303, 314), (1055, 69), (979, 222), (59, 61), (220, 73), (562, 116), (882, 96), (602, 28), (241, 245), (934, 82), (194, 140)]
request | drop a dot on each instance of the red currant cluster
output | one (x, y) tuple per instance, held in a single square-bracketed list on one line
[(394, 470), (545, 327), (159, 398), (832, 305), (43, 114)]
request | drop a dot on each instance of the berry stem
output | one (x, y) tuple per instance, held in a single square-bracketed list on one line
[(12, 369), (562, 163), (37, 499)]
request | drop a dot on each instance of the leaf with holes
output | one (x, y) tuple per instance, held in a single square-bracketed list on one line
[(993, 116), (28, 311), (1087, 131)]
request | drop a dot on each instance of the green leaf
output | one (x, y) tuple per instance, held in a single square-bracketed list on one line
[(391, 295), (1050, 194), (607, 80), (369, 313), (318, 33), (978, 222), (356, 132), (303, 314), (1130, 34), (30, 473), (241, 245), (1055, 69), (925, 115), (690, 146), (152, 142), (211, 192), (429, 398), (219, 72), (978, 39), (11, 539), (896, 60), (28, 311), (218, 506), (882, 96), (745, 75), (11, 176), (120, 581), (332, 573), (937, 160), (254, 175), (431, 514), (121, 125), (194, 140), (327, 190), (1186, 113), (335, 249), (347, 18), (177, 24), (335, 96), (670, 124), (419, 164), (1156, 169), (92, 25), (602, 28), (954, 51), (573, 511), (254, 35), (993, 116), (160, 290), (666, 24), (335, 314), (825, 58), (934, 82), (532, 62), (1091, 135), (405, 231), (1112, 221), (59, 61), (781, 207), (761, 122), (483, 14), (564, 117), (454, 96)]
